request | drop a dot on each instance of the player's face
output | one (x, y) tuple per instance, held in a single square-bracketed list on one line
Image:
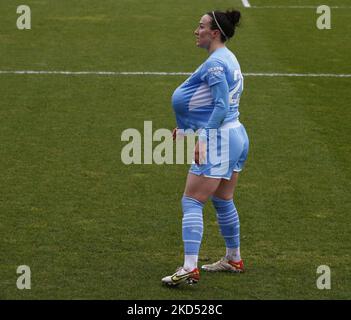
[(203, 33)]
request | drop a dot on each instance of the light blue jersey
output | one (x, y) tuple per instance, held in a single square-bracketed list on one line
[(209, 100), (217, 83)]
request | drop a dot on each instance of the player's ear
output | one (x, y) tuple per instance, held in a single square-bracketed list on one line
[(215, 32)]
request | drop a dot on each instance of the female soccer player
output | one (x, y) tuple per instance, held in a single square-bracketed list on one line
[(208, 102)]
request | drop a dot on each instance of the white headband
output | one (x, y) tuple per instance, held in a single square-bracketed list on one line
[(214, 16)]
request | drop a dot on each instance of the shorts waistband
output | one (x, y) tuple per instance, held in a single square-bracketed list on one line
[(232, 124)]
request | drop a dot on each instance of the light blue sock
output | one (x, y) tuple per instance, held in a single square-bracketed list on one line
[(228, 221), (192, 225)]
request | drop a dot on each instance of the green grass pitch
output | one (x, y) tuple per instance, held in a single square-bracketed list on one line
[(91, 227)]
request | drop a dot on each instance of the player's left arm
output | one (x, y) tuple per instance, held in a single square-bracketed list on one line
[(220, 94), (216, 79)]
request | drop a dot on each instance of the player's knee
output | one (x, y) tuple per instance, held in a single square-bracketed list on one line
[(197, 196), (223, 196), (220, 202)]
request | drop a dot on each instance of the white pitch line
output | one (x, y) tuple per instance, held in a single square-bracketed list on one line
[(148, 73), (108, 73), (298, 7), (316, 75), (246, 3)]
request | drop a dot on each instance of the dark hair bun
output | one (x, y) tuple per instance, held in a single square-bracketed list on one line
[(226, 22), (233, 16)]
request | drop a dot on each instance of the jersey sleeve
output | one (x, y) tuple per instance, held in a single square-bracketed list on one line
[(213, 72), (220, 94), (214, 76)]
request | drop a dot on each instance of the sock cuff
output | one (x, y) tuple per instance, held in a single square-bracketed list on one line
[(216, 200), (191, 201)]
